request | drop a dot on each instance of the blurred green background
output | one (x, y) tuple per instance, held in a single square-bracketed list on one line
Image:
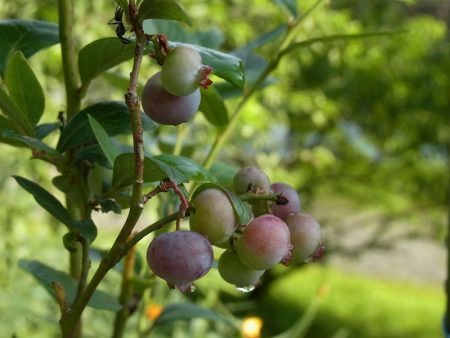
[(360, 128)]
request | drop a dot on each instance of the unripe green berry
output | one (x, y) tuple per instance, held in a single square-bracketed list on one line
[(183, 72), (213, 216), (251, 179), (233, 271)]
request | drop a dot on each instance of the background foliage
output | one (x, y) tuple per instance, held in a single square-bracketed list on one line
[(357, 127)]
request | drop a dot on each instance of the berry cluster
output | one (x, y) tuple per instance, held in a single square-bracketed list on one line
[(277, 233), (172, 96)]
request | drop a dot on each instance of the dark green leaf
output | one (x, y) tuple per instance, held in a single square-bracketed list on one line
[(92, 153), (103, 139), (46, 200), (7, 126), (225, 66), (241, 210), (289, 5), (186, 311), (46, 276), (62, 183), (112, 115), (177, 168), (102, 55), (15, 114), (43, 130), (224, 173), (28, 36), (107, 205), (162, 9), (24, 88), (213, 107), (187, 167), (31, 142), (212, 38)]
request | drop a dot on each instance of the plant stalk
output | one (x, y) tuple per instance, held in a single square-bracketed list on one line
[(70, 70), (126, 293)]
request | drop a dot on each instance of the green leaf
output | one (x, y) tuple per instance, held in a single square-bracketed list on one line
[(186, 311), (188, 168), (46, 276), (243, 213), (103, 139), (31, 142), (7, 126), (212, 38), (15, 114), (43, 130), (101, 55), (28, 36), (289, 5), (112, 115), (53, 206), (213, 107), (24, 88), (162, 9), (225, 66), (177, 168), (92, 153), (224, 173)]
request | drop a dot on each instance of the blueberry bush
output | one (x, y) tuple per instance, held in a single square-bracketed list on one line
[(102, 160)]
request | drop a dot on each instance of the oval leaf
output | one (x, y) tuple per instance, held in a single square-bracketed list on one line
[(289, 5), (213, 107), (103, 139), (112, 115), (31, 142), (28, 36), (185, 311), (53, 206), (243, 213), (188, 168), (24, 87), (13, 111), (162, 9), (47, 276), (157, 168), (101, 55)]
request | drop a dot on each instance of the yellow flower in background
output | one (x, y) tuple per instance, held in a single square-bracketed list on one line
[(153, 311), (251, 327)]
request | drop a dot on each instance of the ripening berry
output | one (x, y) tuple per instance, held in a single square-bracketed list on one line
[(294, 204), (213, 216), (183, 72), (264, 242), (166, 108), (305, 236), (233, 271), (251, 179), (180, 257)]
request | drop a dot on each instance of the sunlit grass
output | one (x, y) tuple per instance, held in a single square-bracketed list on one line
[(361, 306)]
